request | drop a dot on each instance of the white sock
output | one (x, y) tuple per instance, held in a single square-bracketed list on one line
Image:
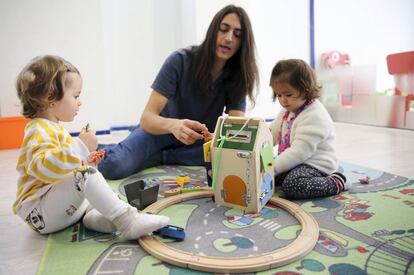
[(133, 225), (96, 221)]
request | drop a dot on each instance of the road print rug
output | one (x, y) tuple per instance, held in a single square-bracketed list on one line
[(367, 230)]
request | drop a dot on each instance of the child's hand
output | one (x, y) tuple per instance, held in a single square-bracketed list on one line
[(88, 137), (95, 158)]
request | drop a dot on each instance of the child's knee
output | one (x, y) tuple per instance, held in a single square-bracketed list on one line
[(292, 188), (87, 175), (96, 176), (288, 190)]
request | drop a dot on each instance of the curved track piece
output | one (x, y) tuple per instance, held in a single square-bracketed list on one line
[(300, 247)]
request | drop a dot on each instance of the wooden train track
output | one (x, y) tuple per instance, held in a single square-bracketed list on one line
[(300, 247)]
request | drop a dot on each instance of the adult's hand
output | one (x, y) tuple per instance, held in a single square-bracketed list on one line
[(187, 131)]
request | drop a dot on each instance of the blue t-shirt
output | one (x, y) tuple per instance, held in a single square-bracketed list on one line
[(174, 82)]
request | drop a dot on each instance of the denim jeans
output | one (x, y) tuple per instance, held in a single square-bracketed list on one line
[(141, 150)]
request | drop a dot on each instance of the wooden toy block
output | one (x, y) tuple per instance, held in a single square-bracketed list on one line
[(182, 180), (242, 163), (177, 191)]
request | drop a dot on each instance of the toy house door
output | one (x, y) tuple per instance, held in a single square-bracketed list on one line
[(234, 190)]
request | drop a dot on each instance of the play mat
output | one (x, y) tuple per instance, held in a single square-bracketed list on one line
[(367, 230)]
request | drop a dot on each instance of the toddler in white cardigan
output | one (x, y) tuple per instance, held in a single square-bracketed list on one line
[(306, 164)]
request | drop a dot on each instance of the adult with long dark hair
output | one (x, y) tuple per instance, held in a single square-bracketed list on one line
[(192, 89)]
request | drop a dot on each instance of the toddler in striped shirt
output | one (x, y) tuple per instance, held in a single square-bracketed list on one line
[(58, 181)]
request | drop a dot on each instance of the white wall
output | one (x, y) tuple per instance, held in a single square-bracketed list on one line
[(119, 46), (72, 30), (281, 31), (130, 45)]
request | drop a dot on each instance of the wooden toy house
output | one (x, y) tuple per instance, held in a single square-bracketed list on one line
[(242, 163)]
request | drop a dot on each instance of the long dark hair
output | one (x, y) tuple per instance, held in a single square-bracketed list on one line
[(242, 65)]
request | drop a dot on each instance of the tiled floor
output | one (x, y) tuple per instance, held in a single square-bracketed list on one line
[(390, 150)]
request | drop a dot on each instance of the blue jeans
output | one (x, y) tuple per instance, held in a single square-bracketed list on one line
[(141, 150)]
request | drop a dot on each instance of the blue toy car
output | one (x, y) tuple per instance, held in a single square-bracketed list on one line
[(172, 232)]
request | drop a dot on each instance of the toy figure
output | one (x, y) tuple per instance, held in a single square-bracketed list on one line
[(335, 58)]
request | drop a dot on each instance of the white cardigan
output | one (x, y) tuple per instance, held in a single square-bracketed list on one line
[(312, 140)]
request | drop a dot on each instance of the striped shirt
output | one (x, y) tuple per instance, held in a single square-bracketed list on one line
[(47, 155)]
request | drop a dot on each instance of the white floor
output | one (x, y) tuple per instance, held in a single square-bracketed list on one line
[(390, 150)]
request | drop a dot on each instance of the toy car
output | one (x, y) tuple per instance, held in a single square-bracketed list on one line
[(172, 232), (364, 180)]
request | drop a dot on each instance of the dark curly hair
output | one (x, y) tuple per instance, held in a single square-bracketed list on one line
[(298, 74), (41, 82)]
